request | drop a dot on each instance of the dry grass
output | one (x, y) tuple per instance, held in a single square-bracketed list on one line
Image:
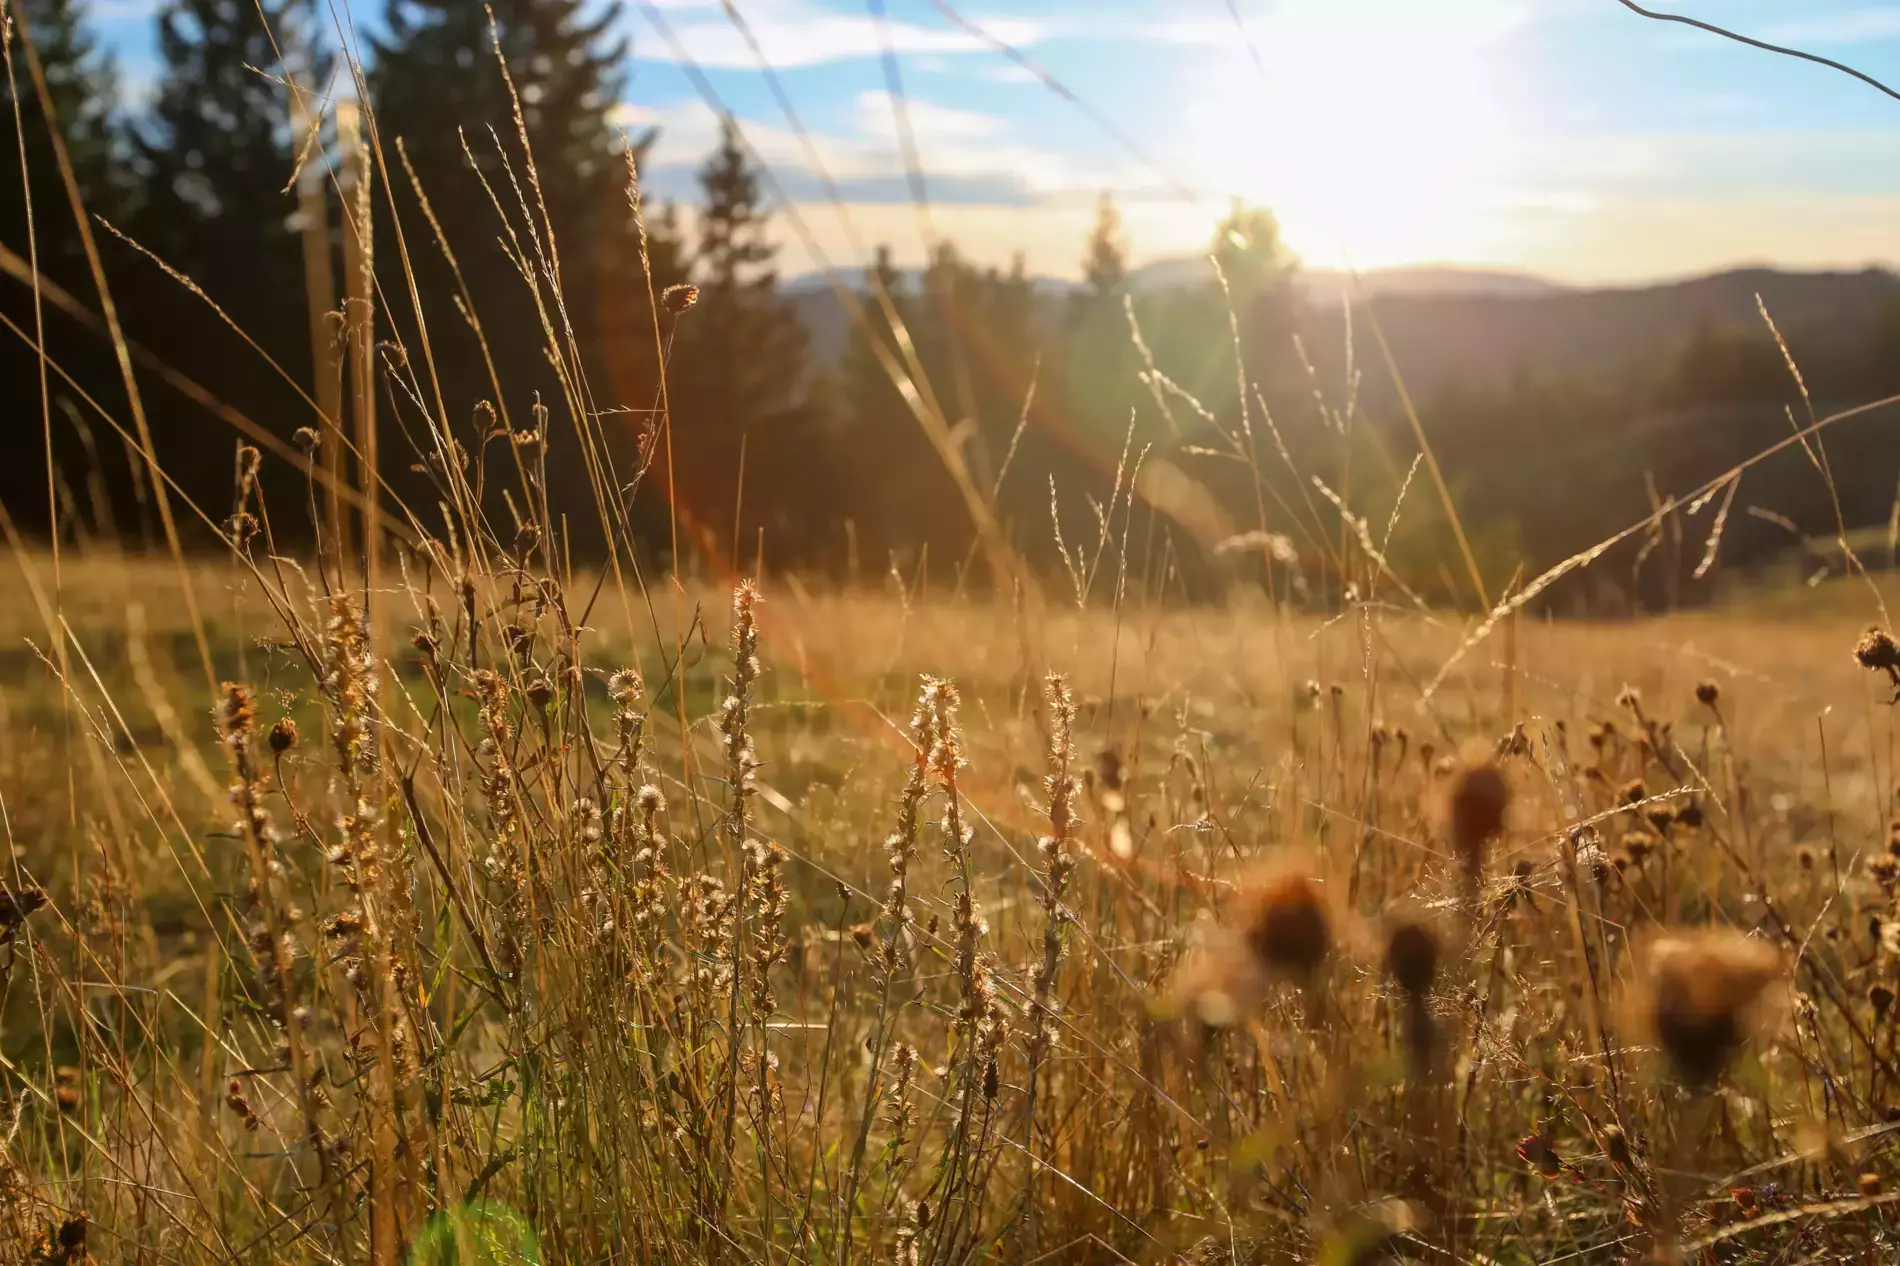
[(458, 907), (493, 946)]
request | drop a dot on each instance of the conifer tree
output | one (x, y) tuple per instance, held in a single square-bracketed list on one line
[(217, 152), (435, 84), (83, 84), (739, 365), (1106, 266)]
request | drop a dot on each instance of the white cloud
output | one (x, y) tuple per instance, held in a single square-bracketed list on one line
[(799, 33), (958, 149)]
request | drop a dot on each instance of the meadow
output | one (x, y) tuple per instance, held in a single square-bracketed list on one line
[(394, 877), (559, 920)]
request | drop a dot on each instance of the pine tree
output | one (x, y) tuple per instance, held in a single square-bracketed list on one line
[(1097, 380), (216, 152), (1260, 273), (434, 81), (1106, 266), (83, 84), (81, 81), (739, 367)]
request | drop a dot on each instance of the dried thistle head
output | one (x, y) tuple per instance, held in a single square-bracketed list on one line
[(1708, 694), (625, 687), (1284, 923), (283, 735), (1702, 997), (1473, 803), (1876, 652), (1411, 955)]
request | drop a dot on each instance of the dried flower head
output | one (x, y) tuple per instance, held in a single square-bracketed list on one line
[(1708, 694), (1702, 996), (1285, 924), (283, 735), (1616, 1145), (1411, 956), (677, 298), (1475, 799), (1876, 652), (1536, 1151)]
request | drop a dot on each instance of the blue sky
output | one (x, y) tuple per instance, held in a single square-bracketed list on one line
[(1568, 137)]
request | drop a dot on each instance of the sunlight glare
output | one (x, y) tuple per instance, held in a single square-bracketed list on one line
[(1372, 149)]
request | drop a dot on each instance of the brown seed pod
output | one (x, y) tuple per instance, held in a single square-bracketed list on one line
[(1876, 652), (283, 735), (1475, 800), (1411, 956), (1616, 1145), (1285, 925), (1702, 997)]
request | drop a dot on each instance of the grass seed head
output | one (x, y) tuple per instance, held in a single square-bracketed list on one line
[(676, 299)]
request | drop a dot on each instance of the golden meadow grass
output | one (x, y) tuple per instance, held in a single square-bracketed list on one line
[(937, 935), (460, 905)]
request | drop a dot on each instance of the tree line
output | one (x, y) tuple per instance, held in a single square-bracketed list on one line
[(1099, 421), (193, 199)]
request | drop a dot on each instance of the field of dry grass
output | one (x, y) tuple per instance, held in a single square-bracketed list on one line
[(460, 907), (886, 926)]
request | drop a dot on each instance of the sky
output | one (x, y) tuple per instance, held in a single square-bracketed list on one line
[(1569, 138)]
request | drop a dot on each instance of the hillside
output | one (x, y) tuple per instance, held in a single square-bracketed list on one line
[(1443, 323), (1435, 337)]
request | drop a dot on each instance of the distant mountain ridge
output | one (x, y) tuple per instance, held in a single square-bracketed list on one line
[(1478, 336), (1446, 322)]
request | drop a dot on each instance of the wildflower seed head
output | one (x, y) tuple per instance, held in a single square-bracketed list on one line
[(1284, 922), (283, 735), (1616, 1145), (1877, 652), (1411, 956), (1708, 694), (625, 687), (236, 712), (1703, 992), (676, 299), (1475, 801)]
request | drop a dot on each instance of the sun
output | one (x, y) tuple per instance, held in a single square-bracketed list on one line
[(1375, 130)]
